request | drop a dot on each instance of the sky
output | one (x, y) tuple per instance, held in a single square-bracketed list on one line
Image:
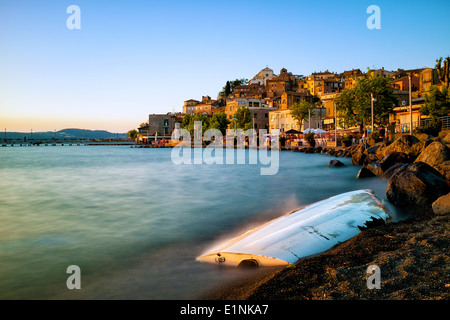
[(133, 58)]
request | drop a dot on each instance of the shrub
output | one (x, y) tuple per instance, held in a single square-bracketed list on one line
[(432, 127)]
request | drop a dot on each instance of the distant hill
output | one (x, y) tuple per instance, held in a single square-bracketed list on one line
[(65, 134)]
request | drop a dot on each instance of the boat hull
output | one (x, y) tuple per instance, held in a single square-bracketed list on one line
[(301, 233)]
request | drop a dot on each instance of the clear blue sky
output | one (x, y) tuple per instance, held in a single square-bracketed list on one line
[(132, 58)]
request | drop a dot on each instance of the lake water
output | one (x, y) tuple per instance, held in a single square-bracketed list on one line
[(134, 222)]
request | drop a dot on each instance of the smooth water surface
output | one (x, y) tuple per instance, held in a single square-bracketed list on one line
[(134, 222)]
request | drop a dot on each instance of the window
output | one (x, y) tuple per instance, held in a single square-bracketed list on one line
[(266, 115), (166, 122), (255, 115)]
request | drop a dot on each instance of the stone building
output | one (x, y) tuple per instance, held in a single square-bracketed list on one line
[(259, 111), (262, 77), (282, 120), (161, 126), (254, 91), (206, 106)]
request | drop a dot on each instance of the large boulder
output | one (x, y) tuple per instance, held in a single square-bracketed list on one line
[(422, 136), (442, 205), (364, 173), (370, 158), (444, 169), (393, 158), (358, 154), (435, 153), (403, 144), (446, 137), (392, 170), (415, 188), (375, 168)]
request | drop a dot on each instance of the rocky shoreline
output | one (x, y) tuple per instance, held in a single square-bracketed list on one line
[(412, 254)]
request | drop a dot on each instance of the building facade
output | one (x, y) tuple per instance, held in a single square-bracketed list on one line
[(283, 121), (161, 126)]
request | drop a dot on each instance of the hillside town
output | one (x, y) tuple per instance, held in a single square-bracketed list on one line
[(269, 100)]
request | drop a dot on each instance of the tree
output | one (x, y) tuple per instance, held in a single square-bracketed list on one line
[(228, 88), (132, 134), (244, 119), (186, 120), (444, 71), (219, 121), (437, 102), (354, 105), (301, 111), (230, 85), (188, 123)]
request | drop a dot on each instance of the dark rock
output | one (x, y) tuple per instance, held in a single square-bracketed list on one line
[(309, 150), (339, 153), (444, 169), (416, 187), (435, 153), (392, 170), (403, 144), (358, 155), (375, 147), (335, 163), (318, 149), (375, 168), (422, 136), (394, 158), (364, 173), (370, 158)]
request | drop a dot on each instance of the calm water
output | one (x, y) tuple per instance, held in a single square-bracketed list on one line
[(134, 222)]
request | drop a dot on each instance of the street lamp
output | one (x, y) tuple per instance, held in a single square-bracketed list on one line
[(335, 125), (410, 107), (372, 100), (235, 122)]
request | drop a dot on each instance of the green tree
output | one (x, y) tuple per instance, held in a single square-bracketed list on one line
[(301, 111), (230, 85), (228, 88), (354, 105), (132, 134), (244, 119), (188, 123), (219, 121), (443, 71), (437, 102), (186, 120)]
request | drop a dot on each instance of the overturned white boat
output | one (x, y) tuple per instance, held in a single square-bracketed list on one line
[(302, 233)]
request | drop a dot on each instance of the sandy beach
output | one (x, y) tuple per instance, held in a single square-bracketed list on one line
[(412, 255)]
